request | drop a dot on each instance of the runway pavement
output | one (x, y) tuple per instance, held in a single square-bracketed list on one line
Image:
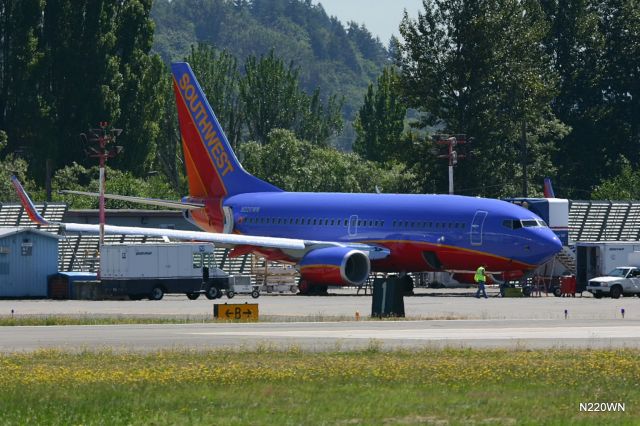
[(442, 318), (330, 335)]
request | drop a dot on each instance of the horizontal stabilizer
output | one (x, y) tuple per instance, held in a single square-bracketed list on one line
[(180, 205)]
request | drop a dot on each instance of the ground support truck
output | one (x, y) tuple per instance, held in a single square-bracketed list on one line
[(152, 270)]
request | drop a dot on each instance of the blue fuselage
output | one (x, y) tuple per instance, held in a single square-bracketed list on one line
[(423, 232)]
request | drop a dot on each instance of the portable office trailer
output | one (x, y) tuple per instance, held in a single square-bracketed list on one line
[(27, 258), (595, 259)]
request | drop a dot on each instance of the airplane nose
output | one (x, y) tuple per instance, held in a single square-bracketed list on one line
[(552, 244)]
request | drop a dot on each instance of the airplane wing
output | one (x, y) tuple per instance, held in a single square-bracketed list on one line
[(295, 248)]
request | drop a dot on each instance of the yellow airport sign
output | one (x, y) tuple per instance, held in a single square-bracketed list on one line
[(236, 311)]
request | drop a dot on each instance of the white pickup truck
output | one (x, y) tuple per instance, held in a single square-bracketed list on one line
[(622, 281)]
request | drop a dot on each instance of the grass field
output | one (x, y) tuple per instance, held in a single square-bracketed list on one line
[(92, 319), (371, 387)]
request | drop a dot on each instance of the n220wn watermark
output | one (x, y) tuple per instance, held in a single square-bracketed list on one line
[(602, 406)]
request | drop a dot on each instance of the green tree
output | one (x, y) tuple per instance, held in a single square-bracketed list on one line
[(141, 102), (620, 21), (270, 95), (218, 75), (12, 165), (576, 41), (320, 122), (624, 186), (380, 121), (296, 165), (169, 151), (77, 177), (271, 99), (480, 68), (67, 65)]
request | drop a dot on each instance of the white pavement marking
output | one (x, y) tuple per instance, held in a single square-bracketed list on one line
[(449, 334)]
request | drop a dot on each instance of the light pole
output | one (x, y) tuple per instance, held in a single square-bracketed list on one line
[(452, 155), (98, 141)]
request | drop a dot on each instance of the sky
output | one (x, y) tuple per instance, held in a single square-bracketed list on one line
[(381, 17)]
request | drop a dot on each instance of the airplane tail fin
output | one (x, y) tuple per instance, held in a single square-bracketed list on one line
[(548, 189), (212, 167), (28, 205)]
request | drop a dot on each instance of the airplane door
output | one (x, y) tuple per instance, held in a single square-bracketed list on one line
[(353, 225), (476, 227)]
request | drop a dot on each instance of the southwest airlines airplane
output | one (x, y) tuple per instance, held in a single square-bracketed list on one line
[(332, 238)]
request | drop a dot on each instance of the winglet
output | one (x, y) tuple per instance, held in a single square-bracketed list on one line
[(27, 203), (548, 189)]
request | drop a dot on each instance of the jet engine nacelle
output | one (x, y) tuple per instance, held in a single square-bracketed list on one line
[(335, 266)]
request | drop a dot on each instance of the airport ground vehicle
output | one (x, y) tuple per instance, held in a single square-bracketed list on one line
[(621, 281), (240, 285), (596, 259), (152, 270)]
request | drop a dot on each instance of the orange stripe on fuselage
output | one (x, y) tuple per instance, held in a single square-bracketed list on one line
[(407, 254)]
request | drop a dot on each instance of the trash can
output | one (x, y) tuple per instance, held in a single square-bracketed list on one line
[(388, 297)]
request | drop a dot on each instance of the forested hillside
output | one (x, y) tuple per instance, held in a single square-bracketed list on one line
[(333, 56), (546, 88)]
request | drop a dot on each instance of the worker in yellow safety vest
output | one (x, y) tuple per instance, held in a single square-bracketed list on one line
[(480, 279)]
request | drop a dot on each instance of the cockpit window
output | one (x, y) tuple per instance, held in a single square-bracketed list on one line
[(529, 223), (524, 223), (512, 224)]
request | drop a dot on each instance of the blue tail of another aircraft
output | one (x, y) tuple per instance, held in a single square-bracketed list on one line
[(212, 167)]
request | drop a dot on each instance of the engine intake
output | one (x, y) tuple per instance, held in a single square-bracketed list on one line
[(335, 266)]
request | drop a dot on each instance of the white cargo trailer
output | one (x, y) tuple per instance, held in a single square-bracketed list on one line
[(151, 270)]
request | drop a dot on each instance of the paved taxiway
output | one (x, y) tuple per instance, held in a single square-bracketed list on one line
[(493, 322), (330, 335), (426, 304)]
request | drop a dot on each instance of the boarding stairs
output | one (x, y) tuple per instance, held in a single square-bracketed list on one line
[(567, 258)]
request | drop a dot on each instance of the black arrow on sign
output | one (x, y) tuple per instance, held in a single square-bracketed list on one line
[(247, 312)]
